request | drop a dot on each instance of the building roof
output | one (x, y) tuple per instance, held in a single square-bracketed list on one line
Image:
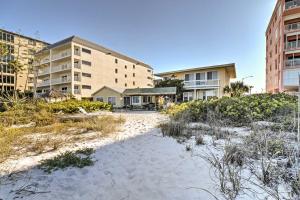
[(150, 91), (117, 90), (10, 32), (230, 66), (95, 46)]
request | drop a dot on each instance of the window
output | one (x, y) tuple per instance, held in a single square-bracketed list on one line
[(187, 77), (187, 96), (111, 100), (133, 66), (212, 75), (31, 42), (149, 70), (133, 83), (100, 99), (87, 75), (86, 51), (7, 79), (135, 99), (125, 66), (125, 84), (133, 74), (116, 61), (116, 71), (125, 75), (200, 76), (86, 87), (77, 51), (116, 80), (84, 62)]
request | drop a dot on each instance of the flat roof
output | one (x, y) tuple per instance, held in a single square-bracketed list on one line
[(150, 91), (10, 32), (230, 65), (95, 46)]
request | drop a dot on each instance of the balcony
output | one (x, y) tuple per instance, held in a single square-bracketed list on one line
[(194, 84), (62, 67), (61, 55), (292, 4), (291, 46), (43, 83), (291, 77), (77, 78), (61, 80), (44, 71), (295, 63), (292, 27)]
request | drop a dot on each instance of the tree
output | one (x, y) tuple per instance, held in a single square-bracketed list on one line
[(17, 67), (3, 53), (236, 89), (172, 83)]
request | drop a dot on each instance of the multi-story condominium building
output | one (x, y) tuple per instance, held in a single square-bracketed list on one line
[(79, 67), (283, 48), (22, 48), (203, 82)]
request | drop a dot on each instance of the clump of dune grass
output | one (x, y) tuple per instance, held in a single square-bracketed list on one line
[(79, 158), (40, 139)]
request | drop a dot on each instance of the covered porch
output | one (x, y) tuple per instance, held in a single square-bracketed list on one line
[(201, 94), (149, 98)]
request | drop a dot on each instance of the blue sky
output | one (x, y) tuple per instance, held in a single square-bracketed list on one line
[(167, 34)]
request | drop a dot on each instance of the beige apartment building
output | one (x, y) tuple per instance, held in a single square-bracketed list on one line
[(80, 68), (22, 48), (203, 82), (283, 48)]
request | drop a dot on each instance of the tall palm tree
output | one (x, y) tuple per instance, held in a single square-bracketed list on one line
[(3, 53), (236, 89), (17, 67)]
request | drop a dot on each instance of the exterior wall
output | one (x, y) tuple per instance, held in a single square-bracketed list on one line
[(197, 92), (282, 48), (106, 92), (102, 70), (24, 49)]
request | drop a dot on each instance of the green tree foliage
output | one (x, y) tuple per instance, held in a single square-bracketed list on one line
[(172, 83), (236, 89)]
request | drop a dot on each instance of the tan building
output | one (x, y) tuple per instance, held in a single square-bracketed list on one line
[(22, 48), (203, 82), (283, 48), (79, 67)]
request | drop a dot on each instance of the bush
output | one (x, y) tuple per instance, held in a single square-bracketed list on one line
[(79, 158), (238, 110), (72, 106)]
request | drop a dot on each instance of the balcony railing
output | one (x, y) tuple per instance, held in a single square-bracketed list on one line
[(292, 63), (61, 80), (292, 4), (77, 66), (62, 67), (44, 71), (201, 83), (77, 78), (290, 46), (292, 27), (61, 55), (43, 83)]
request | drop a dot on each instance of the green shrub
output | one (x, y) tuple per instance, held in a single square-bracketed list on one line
[(72, 106), (79, 158), (238, 110)]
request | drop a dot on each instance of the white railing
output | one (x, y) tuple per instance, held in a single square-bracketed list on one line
[(292, 63), (292, 4), (65, 91), (61, 80), (77, 78), (77, 65), (44, 71), (61, 67), (61, 55), (289, 46), (201, 83), (292, 27), (43, 83)]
